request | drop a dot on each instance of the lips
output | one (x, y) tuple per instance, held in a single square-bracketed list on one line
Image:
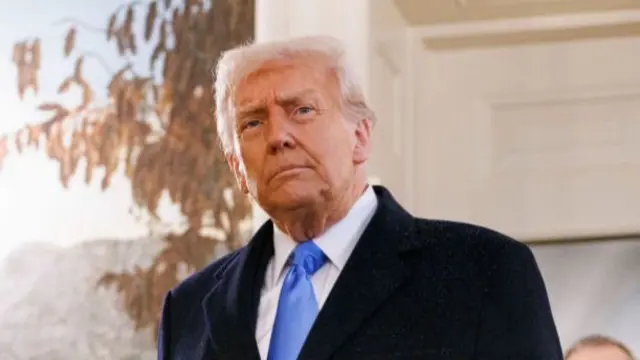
[(285, 169)]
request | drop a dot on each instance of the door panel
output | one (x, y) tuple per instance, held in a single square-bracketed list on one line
[(538, 141)]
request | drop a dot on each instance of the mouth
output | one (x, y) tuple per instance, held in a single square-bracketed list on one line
[(287, 170)]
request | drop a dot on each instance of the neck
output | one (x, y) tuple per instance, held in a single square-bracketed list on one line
[(311, 222)]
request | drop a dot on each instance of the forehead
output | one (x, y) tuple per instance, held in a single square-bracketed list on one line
[(278, 79), (599, 352)]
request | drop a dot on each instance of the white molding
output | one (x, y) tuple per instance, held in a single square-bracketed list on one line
[(530, 24), (607, 227), (384, 50), (399, 56), (413, 51), (562, 95)]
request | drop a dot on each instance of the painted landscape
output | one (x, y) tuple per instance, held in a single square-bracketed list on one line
[(51, 308)]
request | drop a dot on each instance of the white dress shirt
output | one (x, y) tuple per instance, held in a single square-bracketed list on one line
[(337, 243)]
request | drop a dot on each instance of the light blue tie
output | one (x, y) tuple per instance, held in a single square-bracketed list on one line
[(297, 307)]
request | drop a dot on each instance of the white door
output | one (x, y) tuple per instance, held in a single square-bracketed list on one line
[(537, 140)]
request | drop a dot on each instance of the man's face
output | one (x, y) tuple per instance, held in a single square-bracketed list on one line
[(604, 352), (295, 146)]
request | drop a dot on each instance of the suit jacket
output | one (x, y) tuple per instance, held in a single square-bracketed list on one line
[(412, 289)]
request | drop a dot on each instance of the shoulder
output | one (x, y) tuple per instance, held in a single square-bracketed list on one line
[(197, 285), (467, 234), (472, 244)]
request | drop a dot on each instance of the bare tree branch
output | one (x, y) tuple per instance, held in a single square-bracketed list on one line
[(78, 23)]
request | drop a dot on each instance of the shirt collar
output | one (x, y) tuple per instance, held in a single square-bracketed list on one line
[(338, 241)]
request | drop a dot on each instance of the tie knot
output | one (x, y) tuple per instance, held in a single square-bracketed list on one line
[(309, 256)]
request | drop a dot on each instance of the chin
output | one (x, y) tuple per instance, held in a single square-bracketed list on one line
[(286, 198)]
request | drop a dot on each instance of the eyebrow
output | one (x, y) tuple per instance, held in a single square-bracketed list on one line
[(281, 99)]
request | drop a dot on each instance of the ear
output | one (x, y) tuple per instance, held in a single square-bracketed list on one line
[(234, 165), (362, 147)]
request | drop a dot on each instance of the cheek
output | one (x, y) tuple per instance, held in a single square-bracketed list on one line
[(336, 152), (248, 163), (342, 141), (327, 143)]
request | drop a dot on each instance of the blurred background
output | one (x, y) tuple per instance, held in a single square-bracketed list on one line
[(520, 115)]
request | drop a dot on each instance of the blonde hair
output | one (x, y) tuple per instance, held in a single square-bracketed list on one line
[(238, 62)]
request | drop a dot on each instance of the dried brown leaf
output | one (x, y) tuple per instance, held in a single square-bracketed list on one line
[(50, 107), (163, 34), (91, 156), (117, 81), (65, 85), (22, 80), (18, 142), (120, 42), (47, 127), (171, 63), (159, 49), (152, 14), (111, 25), (77, 70), (87, 93), (34, 82), (19, 53), (106, 182), (133, 47), (177, 19), (107, 279), (120, 103), (127, 27), (65, 169), (69, 41), (54, 146), (34, 133), (35, 54), (4, 149)]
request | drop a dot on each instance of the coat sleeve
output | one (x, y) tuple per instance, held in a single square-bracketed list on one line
[(164, 330), (516, 321)]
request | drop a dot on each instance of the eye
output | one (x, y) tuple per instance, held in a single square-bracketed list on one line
[(304, 110), (250, 124)]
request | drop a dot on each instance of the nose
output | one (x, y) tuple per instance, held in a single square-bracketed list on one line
[(278, 133)]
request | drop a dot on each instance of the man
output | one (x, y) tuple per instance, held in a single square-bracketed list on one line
[(342, 271), (598, 347)]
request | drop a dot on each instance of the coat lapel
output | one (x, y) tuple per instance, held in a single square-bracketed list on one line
[(372, 273), (231, 308)]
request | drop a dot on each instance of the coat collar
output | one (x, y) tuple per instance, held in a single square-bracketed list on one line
[(372, 273), (231, 307)]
